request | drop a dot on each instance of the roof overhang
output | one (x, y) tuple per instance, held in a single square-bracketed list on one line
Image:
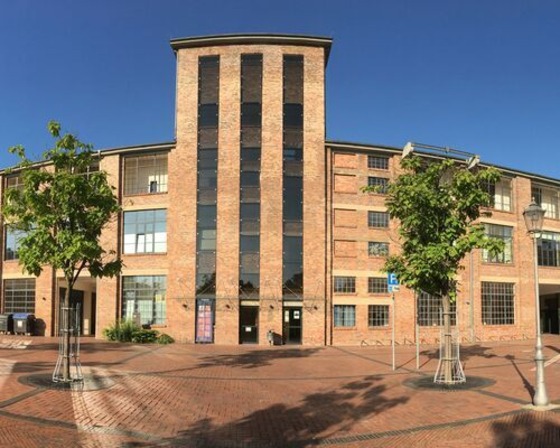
[(254, 39)]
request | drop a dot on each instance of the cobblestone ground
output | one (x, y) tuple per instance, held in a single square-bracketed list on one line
[(250, 396)]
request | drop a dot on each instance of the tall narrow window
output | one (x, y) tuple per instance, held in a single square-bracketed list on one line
[(250, 169), (503, 233), (548, 198), (293, 117), (549, 249), (207, 180), (13, 237), (500, 194)]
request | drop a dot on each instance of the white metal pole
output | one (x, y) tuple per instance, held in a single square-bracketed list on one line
[(540, 398), (393, 332), (417, 333)]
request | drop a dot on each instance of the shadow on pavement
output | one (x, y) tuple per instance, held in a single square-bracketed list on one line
[(318, 415), (526, 384), (472, 351), (254, 358), (532, 429)]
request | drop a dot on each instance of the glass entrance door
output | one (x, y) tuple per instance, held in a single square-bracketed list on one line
[(248, 325), (292, 326)]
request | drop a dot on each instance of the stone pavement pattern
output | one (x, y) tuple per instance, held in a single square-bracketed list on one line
[(251, 396)]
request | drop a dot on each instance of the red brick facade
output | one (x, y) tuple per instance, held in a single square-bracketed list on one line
[(336, 234)]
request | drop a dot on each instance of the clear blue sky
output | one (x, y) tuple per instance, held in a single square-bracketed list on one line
[(480, 76)]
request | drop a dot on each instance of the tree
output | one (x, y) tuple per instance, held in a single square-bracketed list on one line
[(62, 209), (437, 204)]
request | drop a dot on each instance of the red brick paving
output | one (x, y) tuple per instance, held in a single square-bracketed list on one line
[(250, 396)]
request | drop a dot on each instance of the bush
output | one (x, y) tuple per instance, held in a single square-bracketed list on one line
[(143, 336), (121, 331), (128, 331), (165, 339)]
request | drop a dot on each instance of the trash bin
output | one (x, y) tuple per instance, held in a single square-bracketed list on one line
[(24, 323), (6, 323)]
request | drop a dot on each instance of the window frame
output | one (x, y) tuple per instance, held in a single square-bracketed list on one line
[(377, 285), (159, 172), (371, 253), (379, 184), (374, 162), (498, 231), (383, 316), (344, 316), (491, 313), (142, 237), (154, 319), (344, 284), (374, 219), (27, 295)]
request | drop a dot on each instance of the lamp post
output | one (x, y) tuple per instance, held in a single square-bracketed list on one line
[(534, 217)]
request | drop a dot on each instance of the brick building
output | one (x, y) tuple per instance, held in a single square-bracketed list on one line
[(252, 221)]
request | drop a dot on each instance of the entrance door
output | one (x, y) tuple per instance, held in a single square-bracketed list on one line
[(248, 325), (204, 321), (292, 327)]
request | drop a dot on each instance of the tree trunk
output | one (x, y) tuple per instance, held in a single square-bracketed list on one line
[(447, 361), (66, 333)]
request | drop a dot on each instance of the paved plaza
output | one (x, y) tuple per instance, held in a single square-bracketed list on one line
[(281, 396)]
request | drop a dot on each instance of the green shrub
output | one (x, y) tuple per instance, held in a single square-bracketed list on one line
[(128, 331), (165, 339), (121, 331), (143, 336)]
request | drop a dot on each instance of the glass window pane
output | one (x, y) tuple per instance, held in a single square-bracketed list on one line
[(208, 115)]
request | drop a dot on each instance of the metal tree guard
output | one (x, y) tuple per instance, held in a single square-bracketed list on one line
[(70, 325), (453, 361)]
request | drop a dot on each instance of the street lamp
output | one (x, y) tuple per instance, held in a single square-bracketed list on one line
[(534, 217)]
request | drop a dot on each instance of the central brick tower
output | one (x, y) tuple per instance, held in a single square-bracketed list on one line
[(247, 219)]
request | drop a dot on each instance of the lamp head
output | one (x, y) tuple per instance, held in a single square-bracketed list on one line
[(534, 217)]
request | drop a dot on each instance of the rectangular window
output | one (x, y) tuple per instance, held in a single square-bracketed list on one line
[(145, 232), (549, 249), (145, 295), (344, 315), (500, 194), (547, 198), (14, 181), (503, 233), (377, 285), (146, 174), (19, 296), (380, 184), (378, 249), (497, 303), (344, 285), (378, 315), (378, 219), (13, 238), (378, 162), (430, 310)]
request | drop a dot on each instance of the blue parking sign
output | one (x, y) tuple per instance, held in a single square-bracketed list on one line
[(392, 282)]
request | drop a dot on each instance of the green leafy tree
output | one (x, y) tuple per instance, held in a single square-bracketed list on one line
[(437, 204), (62, 209)]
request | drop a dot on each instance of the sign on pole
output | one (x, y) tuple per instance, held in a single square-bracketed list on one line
[(392, 282), (393, 286)]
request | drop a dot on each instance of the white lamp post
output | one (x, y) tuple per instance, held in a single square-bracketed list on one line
[(534, 217)]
